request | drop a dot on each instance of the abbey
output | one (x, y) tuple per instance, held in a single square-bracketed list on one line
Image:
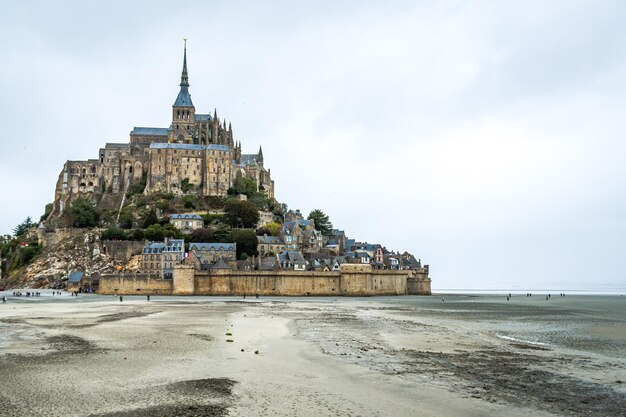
[(197, 152)]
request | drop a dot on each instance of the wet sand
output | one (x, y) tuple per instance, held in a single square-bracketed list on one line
[(379, 356)]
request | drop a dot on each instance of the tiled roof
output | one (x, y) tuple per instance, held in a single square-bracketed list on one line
[(214, 147), (270, 240), (202, 117), (149, 131), (110, 145), (184, 98), (212, 246), (76, 276), (248, 159), (175, 245), (154, 247), (220, 265), (185, 216)]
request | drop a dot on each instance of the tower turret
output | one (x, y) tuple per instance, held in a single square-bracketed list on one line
[(259, 156)]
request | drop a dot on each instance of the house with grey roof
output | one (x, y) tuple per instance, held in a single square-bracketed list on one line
[(159, 258), (186, 222), (292, 260), (270, 245), (212, 252)]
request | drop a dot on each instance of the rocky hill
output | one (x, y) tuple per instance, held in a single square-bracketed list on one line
[(65, 251)]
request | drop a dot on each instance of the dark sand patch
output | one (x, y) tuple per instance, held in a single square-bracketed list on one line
[(193, 393), (107, 318), (208, 386), (171, 411), (68, 344), (519, 379), (205, 337)]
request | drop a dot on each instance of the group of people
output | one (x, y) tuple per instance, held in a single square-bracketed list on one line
[(27, 294)]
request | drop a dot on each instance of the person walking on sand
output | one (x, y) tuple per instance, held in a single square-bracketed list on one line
[(4, 300), (147, 297), (121, 298)]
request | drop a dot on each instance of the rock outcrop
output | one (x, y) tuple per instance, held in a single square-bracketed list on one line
[(65, 251)]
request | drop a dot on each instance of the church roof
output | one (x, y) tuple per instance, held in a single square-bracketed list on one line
[(202, 117), (214, 147), (149, 131), (184, 98), (249, 159)]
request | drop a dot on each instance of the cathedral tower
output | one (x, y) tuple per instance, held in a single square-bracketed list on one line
[(183, 111)]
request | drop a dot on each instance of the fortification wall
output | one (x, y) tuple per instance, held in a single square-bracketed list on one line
[(129, 284), (353, 280), (267, 283), (418, 282)]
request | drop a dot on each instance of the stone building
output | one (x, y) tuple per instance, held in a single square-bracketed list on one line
[(186, 223), (270, 245), (209, 253), (197, 154), (159, 258)]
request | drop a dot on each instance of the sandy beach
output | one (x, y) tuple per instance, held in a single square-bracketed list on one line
[(380, 356)]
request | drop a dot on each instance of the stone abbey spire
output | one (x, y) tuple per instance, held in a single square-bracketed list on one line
[(183, 110), (184, 98)]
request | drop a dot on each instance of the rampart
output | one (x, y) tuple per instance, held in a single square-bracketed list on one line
[(352, 280), (128, 284)]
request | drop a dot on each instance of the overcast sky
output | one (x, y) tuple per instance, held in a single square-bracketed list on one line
[(487, 138)]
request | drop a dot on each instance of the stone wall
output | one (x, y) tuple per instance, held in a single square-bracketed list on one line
[(353, 280), (418, 282), (267, 283), (129, 284), (184, 283), (122, 250)]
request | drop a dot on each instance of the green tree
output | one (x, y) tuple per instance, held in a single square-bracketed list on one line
[(246, 241), (149, 219), (185, 186), (221, 235), (322, 223), (190, 201), (270, 229), (83, 213), (203, 234), (241, 213), (23, 227), (243, 186), (137, 187), (113, 233), (154, 233), (126, 218)]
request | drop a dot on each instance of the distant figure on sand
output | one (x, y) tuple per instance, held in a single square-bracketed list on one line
[(121, 298), (4, 300), (443, 299), (147, 297)]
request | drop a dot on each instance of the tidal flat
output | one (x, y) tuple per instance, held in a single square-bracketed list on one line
[(470, 355)]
